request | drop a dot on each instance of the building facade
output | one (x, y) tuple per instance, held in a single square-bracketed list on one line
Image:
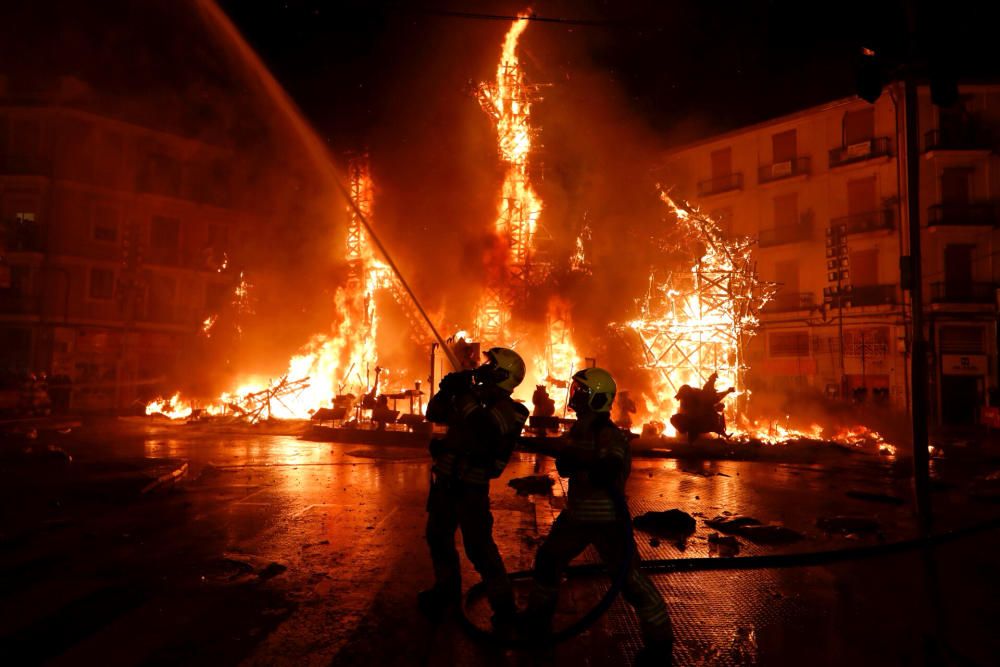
[(823, 191), (113, 237)]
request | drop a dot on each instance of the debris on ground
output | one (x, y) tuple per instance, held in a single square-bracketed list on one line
[(538, 485), (671, 524), (753, 530), (47, 454), (272, 570), (849, 525), (724, 546), (730, 523), (876, 497)]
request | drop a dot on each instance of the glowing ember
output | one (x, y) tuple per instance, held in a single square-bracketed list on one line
[(208, 323)]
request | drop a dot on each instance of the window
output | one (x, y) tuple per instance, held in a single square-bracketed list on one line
[(864, 267), (24, 233), (102, 284), (786, 210), (784, 147), (786, 274), (957, 117), (955, 186), (871, 342), (105, 223), (724, 219), (861, 195), (788, 344), (162, 292), (164, 240), (160, 173), (217, 236), (217, 296), (25, 142), (722, 163), (958, 264), (958, 339), (859, 126)]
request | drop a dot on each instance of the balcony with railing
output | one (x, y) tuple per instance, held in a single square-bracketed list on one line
[(870, 221), (720, 184), (798, 166), (860, 151), (969, 215), (786, 234), (787, 302), (958, 138), (963, 292), (873, 295)]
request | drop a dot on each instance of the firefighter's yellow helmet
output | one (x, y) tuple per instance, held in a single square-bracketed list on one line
[(507, 367), (593, 388)]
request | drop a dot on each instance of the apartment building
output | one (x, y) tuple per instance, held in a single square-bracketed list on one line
[(823, 191), (112, 235)]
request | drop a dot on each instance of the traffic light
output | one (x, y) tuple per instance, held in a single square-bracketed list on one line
[(869, 76)]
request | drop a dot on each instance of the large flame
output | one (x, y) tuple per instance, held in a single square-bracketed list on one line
[(341, 361), (508, 101)]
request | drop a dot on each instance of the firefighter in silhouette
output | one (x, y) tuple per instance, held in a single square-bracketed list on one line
[(701, 410), (483, 424), (626, 408), (596, 457), (543, 404)]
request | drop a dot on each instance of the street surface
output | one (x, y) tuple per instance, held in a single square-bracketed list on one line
[(274, 550)]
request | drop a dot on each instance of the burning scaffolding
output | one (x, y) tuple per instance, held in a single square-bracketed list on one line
[(508, 102), (698, 321)]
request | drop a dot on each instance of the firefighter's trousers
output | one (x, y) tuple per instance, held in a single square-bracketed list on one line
[(567, 539), (455, 504)]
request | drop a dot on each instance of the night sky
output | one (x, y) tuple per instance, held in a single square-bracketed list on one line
[(679, 65)]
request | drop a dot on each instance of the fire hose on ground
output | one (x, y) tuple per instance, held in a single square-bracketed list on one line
[(672, 565)]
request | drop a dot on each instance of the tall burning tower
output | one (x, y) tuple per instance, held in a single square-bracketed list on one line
[(508, 101)]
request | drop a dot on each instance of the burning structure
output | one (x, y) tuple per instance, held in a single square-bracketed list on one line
[(518, 267), (697, 322), (700, 310)]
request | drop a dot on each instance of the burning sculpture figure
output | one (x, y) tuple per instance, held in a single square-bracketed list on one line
[(597, 459), (701, 410), (483, 425)]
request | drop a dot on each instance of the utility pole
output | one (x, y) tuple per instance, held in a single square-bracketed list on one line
[(918, 349)]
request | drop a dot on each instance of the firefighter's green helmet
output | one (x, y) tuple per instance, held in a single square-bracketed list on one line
[(593, 389), (506, 367)]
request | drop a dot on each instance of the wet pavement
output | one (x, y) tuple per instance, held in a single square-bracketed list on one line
[(275, 550)]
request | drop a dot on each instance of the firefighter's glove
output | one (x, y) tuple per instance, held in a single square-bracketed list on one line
[(456, 382)]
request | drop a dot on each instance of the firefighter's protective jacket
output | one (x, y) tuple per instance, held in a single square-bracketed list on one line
[(483, 426), (597, 459)]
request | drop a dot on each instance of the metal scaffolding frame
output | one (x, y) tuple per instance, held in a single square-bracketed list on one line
[(697, 322)]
